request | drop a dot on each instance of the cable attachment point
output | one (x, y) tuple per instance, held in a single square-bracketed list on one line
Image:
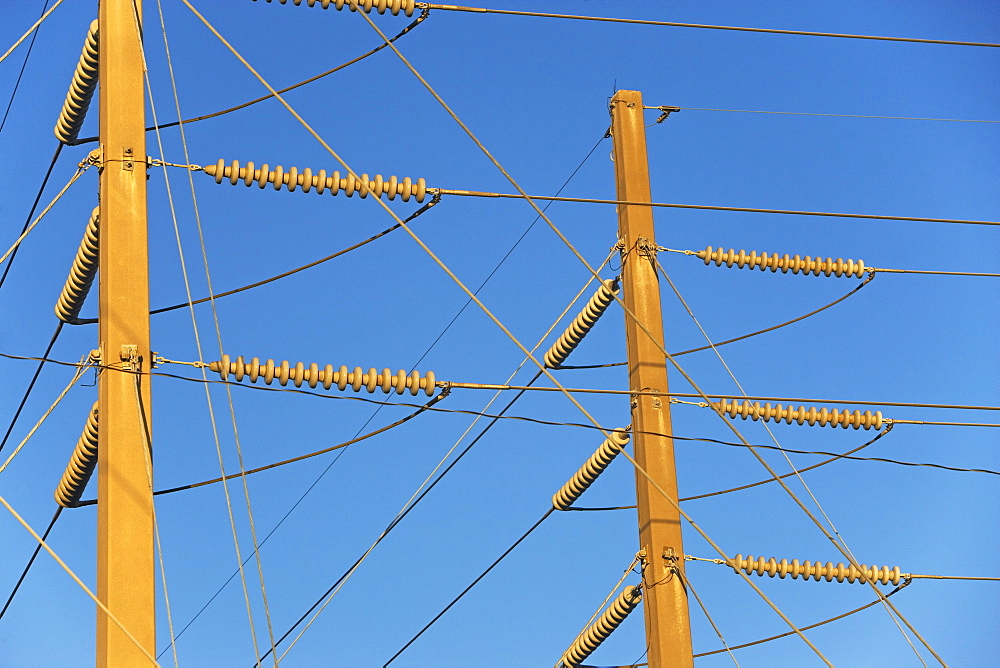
[(666, 112)]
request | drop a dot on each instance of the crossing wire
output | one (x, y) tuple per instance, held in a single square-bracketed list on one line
[(31, 385), (197, 336), (17, 83), (687, 377), (420, 19), (659, 267), (640, 470), (427, 406), (811, 113), (38, 197), (706, 26), (421, 492), (76, 579), (30, 30)]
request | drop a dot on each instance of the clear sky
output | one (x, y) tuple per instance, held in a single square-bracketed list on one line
[(535, 91)]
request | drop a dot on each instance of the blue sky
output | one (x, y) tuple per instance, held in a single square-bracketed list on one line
[(535, 91)]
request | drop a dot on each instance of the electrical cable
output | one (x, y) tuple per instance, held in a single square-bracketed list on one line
[(181, 488), (688, 585), (30, 30), (310, 265), (20, 74), (417, 363), (471, 585), (854, 291), (31, 385), (707, 207), (76, 579), (657, 266), (397, 520), (482, 386), (479, 10), (197, 337), (420, 19), (24, 573), (806, 628), (38, 197), (808, 113), (81, 168)]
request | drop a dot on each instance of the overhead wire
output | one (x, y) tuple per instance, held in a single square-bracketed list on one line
[(20, 74), (707, 207), (357, 439), (470, 586), (76, 376), (810, 113), (30, 30), (515, 340), (806, 628), (428, 406), (688, 586), (645, 474), (31, 561), (420, 19), (197, 336), (428, 484), (81, 168), (31, 385), (507, 387), (31, 212), (868, 279), (706, 26), (77, 580), (843, 542)]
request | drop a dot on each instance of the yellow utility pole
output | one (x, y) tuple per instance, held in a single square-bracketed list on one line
[(125, 575), (668, 628)]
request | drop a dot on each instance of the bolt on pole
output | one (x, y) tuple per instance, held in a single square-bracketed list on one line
[(665, 604), (125, 567)]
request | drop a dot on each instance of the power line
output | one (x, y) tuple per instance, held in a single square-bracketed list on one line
[(484, 386), (20, 74), (310, 265), (705, 207), (809, 33), (810, 113), (420, 19), (471, 585), (38, 197)]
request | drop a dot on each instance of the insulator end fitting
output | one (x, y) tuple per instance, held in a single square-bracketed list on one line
[(307, 180), (815, 266), (313, 375), (581, 324), (814, 570), (593, 467), (801, 415)]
